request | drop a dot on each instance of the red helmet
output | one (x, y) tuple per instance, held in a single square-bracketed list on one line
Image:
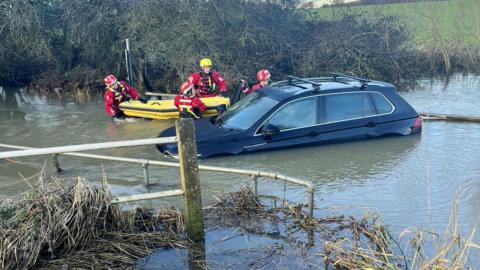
[(186, 88), (263, 75), (110, 79)]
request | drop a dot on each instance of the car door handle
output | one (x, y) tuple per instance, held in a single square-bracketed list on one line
[(313, 133), (370, 124)]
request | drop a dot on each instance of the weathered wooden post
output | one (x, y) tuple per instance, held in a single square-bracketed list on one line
[(255, 184), (56, 162), (146, 174), (190, 178)]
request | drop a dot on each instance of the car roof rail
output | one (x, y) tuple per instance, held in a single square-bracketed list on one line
[(316, 86), (363, 81)]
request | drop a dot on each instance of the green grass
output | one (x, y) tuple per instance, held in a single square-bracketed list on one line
[(456, 22)]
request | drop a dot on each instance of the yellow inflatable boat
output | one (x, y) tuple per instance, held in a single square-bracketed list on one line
[(164, 109)]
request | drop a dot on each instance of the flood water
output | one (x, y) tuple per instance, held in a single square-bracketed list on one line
[(410, 181)]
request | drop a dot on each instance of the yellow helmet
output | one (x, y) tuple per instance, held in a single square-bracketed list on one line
[(205, 62)]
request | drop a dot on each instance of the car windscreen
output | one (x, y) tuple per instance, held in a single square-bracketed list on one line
[(243, 114)]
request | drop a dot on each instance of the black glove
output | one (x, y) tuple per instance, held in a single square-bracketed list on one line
[(142, 100), (221, 108), (185, 114), (223, 94), (119, 115)]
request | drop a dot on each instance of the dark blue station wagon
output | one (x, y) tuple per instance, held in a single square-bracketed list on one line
[(301, 112)]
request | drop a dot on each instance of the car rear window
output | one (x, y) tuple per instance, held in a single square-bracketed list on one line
[(381, 103)]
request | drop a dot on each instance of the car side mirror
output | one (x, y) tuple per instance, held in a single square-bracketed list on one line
[(221, 108), (269, 130)]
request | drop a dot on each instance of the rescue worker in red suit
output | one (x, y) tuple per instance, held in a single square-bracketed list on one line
[(117, 92), (208, 82), (263, 77), (187, 103)]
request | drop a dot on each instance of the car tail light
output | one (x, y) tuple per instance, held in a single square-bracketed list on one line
[(418, 123)]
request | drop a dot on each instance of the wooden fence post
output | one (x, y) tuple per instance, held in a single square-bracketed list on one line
[(190, 178), (146, 174), (56, 162)]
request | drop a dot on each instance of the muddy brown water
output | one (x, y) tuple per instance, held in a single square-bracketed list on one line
[(409, 181)]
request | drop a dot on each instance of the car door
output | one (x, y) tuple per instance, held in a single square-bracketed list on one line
[(347, 116), (297, 123)]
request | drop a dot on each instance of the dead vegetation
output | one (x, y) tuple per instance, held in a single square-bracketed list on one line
[(343, 242), (56, 226), (80, 85), (430, 250), (76, 227)]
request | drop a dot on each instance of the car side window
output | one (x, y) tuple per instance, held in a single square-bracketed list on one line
[(297, 114), (346, 106), (368, 108), (381, 103)]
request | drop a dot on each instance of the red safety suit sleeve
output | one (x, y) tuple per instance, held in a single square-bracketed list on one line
[(108, 102), (132, 92), (253, 89), (197, 103), (176, 101), (219, 80), (194, 79), (245, 89)]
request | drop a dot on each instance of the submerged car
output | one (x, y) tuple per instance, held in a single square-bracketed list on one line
[(300, 112)]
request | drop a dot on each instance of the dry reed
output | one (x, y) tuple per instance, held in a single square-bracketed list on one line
[(59, 226), (449, 252), (343, 242), (62, 227)]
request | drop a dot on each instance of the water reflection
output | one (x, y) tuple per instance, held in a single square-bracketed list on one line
[(196, 256), (459, 95), (11, 114), (17, 175), (3, 94), (225, 249), (327, 163)]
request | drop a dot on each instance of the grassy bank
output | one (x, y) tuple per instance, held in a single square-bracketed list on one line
[(454, 21)]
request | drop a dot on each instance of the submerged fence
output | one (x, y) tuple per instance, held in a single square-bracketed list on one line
[(187, 164)]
